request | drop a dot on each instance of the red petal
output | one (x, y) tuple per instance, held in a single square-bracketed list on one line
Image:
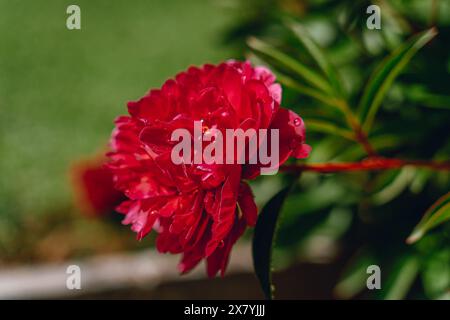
[(247, 204), (226, 212), (152, 106), (291, 131), (219, 259)]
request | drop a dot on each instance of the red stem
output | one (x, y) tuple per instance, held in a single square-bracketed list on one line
[(361, 137), (365, 165)]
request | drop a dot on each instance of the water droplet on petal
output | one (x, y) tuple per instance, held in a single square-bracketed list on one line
[(297, 122)]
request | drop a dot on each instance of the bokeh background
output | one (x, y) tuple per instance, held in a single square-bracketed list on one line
[(60, 91)]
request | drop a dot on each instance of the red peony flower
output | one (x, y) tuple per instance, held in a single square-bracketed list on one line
[(198, 210), (95, 194)]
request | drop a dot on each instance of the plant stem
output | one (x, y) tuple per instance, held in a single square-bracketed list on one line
[(360, 135), (434, 12), (368, 164)]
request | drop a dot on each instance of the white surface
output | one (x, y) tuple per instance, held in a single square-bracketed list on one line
[(143, 269)]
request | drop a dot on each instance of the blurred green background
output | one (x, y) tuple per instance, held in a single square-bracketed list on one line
[(61, 89)]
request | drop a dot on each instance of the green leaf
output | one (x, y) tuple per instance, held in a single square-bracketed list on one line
[(436, 274), (385, 74), (329, 99), (286, 61), (437, 214), (422, 96), (356, 152), (393, 189), (420, 180), (353, 279), (336, 103), (328, 148), (434, 101), (316, 52), (330, 128), (402, 278), (263, 240)]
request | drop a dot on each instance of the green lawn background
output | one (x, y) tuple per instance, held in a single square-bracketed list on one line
[(60, 90)]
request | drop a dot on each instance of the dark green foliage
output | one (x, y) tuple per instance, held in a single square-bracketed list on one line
[(394, 83)]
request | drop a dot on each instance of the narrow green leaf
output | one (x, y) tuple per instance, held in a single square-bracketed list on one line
[(328, 148), (421, 95), (436, 273), (385, 74), (380, 143), (420, 180), (316, 52), (402, 278), (396, 187), (336, 103), (327, 127), (311, 92), (286, 61), (436, 101), (263, 240), (354, 277), (437, 214)]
